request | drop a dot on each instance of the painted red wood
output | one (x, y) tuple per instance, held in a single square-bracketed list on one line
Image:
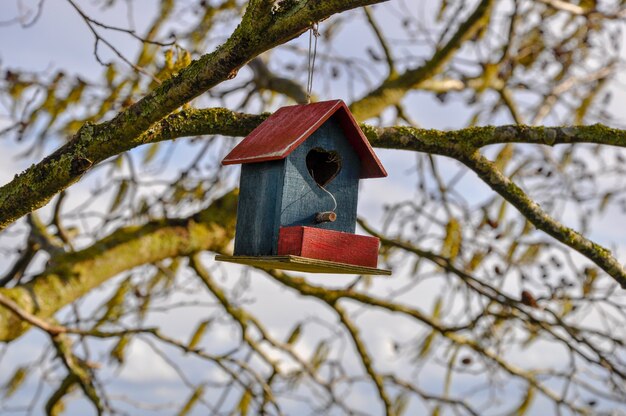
[(317, 243), (288, 127)]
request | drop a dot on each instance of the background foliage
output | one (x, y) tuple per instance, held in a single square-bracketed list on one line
[(495, 305)]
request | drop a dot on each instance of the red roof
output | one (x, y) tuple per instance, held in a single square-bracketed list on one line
[(289, 127)]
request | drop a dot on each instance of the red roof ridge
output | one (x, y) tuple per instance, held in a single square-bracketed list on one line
[(287, 128)]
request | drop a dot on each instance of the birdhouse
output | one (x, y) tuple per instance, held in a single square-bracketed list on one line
[(298, 192)]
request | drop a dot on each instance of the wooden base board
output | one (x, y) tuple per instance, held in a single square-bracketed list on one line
[(301, 264)]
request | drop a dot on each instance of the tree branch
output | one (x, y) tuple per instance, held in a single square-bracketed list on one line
[(365, 357), (332, 296), (221, 121), (78, 370), (582, 11), (442, 142), (264, 79), (392, 90), (463, 145), (243, 318), (601, 256), (382, 41)]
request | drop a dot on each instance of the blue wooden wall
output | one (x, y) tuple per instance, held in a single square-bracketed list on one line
[(258, 211), (283, 193)]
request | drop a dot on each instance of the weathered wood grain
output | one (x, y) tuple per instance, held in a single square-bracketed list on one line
[(258, 210), (277, 188)]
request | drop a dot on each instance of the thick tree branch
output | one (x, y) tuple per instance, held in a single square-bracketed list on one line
[(195, 122), (261, 29), (456, 144), (221, 121), (72, 275), (441, 141)]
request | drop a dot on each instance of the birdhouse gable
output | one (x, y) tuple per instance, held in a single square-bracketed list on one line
[(286, 129), (321, 173)]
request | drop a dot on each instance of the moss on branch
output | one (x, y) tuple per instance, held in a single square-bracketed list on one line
[(447, 143), (463, 145)]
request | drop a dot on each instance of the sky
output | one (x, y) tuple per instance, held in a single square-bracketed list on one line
[(59, 40)]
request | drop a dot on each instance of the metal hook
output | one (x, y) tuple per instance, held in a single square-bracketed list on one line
[(313, 33)]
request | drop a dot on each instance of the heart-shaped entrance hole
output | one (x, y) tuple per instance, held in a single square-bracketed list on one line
[(323, 165)]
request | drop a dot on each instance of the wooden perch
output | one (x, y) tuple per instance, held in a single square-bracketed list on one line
[(327, 216)]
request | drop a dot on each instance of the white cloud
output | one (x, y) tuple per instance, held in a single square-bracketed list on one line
[(143, 365)]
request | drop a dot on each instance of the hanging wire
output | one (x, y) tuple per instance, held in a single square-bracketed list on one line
[(325, 190), (331, 195), (313, 34)]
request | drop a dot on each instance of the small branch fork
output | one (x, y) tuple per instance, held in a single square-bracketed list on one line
[(80, 371), (92, 23)]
